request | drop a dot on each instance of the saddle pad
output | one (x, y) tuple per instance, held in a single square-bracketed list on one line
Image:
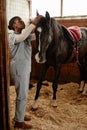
[(75, 33)]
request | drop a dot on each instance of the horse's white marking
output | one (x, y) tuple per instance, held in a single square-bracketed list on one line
[(37, 58), (81, 86), (39, 43), (35, 105), (85, 90), (54, 103), (39, 29), (50, 39)]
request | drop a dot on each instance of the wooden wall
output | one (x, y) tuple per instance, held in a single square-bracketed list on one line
[(4, 70), (69, 72), (73, 22)]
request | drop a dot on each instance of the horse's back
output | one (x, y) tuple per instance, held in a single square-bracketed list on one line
[(84, 32), (83, 35)]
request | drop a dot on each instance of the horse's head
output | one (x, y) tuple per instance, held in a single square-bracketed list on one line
[(44, 36)]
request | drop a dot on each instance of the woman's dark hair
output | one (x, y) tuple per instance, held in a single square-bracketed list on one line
[(11, 22)]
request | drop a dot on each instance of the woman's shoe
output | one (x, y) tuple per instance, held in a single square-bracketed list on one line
[(27, 118), (22, 125)]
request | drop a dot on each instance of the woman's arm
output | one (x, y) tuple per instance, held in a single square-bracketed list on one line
[(25, 33), (33, 36)]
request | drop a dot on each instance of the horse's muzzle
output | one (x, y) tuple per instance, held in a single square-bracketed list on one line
[(39, 59)]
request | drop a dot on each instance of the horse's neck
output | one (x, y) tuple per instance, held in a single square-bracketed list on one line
[(56, 29), (58, 34)]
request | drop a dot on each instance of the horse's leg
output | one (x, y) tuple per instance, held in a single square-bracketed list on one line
[(82, 79), (85, 77), (55, 85), (82, 83), (43, 70), (85, 85), (85, 90)]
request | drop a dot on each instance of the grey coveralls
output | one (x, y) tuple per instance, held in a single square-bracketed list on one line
[(20, 71)]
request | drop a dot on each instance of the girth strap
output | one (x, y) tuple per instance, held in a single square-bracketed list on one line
[(74, 55)]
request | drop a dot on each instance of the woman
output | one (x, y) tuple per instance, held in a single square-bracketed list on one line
[(20, 45)]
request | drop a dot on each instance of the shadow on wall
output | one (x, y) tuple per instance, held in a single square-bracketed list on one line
[(69, 73)]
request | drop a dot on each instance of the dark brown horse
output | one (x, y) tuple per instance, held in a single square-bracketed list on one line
[(55, 46)]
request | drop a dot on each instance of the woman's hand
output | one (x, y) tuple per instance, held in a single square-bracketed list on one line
[(36, 20)]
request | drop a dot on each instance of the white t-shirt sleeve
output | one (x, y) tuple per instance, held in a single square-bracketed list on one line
[(25, 33), (33, 36)]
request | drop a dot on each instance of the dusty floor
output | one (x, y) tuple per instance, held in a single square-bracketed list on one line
[(70, 114)]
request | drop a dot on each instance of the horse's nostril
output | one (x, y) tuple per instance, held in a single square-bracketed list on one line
[(42, 60)]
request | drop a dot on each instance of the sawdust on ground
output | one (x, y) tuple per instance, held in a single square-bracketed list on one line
[(70, 114)]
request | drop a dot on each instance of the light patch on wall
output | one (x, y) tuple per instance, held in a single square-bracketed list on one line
[(52, 6), (17, 8)]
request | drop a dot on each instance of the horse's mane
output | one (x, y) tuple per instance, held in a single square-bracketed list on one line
[(55, 24), (57, 29)]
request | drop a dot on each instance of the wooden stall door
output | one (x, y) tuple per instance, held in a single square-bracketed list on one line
[(4, 70)]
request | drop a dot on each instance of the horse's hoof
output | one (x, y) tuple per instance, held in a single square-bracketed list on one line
[(35, 106), (80, 90), (54, 103)]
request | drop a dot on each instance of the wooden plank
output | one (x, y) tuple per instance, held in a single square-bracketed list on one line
[(4, 70)]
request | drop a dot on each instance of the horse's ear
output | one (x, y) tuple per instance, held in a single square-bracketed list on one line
[(37, 13), (47, 16)]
